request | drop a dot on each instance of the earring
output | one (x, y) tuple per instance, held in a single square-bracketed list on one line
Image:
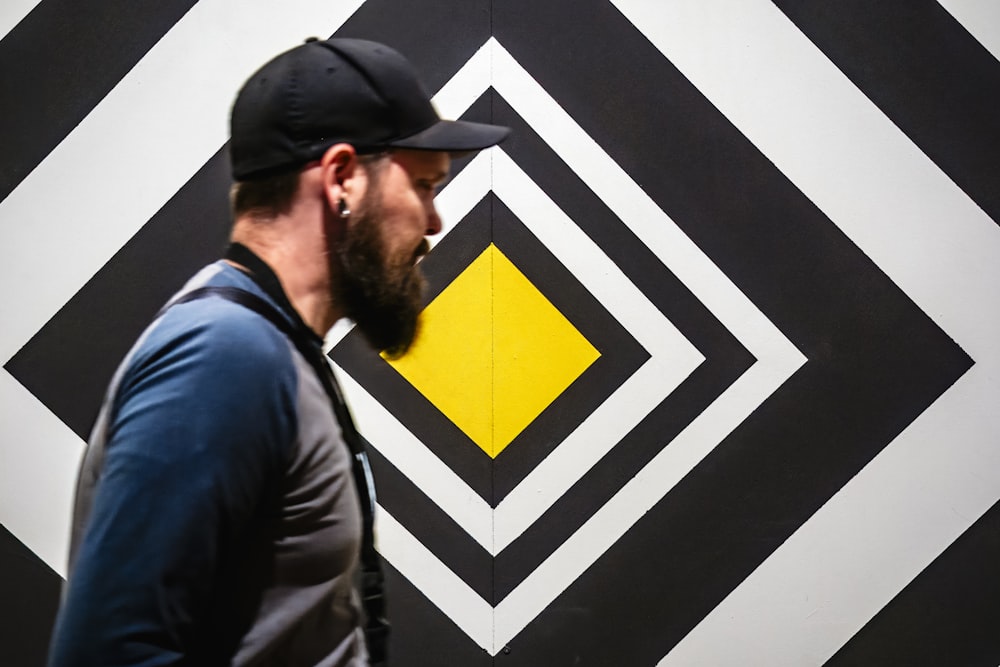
[(342, 209)]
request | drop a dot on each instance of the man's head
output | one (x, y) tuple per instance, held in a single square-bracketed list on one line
[(346, 124)]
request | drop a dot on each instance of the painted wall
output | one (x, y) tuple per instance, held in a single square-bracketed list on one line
[(752, 416)]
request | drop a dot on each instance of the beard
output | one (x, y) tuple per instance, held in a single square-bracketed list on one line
[(383, 295)]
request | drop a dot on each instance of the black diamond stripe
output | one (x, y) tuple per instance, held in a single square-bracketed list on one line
[(621, 356), (726, 358), (601, 483), (450, 32), (69, 362), (875, 360), (926, 72), (946, 616), (432, 526), (60, 61), (29, 597), (422, 636)]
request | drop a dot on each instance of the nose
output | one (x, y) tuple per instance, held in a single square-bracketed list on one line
[(433, 220)]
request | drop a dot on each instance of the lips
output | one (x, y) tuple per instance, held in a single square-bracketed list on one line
[(421, 250)]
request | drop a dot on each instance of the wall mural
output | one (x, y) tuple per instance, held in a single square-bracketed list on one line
[(709, 371)]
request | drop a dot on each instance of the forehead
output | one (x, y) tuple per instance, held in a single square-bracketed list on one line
[(432, 165)]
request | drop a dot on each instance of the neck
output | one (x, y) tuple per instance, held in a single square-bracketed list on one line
[(300, 261)]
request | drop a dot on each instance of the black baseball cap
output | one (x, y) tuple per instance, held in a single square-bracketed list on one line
[(337, 90)]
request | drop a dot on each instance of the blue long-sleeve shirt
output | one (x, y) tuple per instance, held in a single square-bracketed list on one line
[(216, 518)]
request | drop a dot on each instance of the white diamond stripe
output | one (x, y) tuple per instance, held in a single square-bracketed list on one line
[(774, 352), (981, 18), (641, 214), (861, 548), (462, 193), (135, 150), (467, 85), (586, 545), (39, 458), (637, 497), (401, 448), (672, 357), (432, 577), (938, 476)]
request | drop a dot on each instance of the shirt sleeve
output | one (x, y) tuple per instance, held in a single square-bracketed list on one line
[(203, 420)]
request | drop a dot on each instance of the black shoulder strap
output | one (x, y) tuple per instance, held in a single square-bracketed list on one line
[(372, 580), (244, 298)]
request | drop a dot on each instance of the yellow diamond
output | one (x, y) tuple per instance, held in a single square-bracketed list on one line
[(493, 352)]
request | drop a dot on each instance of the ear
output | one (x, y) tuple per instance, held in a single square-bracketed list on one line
[(340, 172)]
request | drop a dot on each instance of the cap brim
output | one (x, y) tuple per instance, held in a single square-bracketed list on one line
[(455, 136)]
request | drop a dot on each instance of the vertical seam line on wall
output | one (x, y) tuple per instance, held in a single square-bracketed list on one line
[(493, 592)]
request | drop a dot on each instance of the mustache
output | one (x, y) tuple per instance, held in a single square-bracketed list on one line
[(422, 249)]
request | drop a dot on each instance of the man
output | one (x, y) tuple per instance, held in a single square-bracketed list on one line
[(222, 506)]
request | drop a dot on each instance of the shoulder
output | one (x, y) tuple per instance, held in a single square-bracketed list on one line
[(211, 336), (227, 333), (212, 361)]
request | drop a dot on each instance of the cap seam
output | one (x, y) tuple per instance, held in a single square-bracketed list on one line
[(366, 76)]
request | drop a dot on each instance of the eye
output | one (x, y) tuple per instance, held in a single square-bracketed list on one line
[(430, 185), (429, 189)]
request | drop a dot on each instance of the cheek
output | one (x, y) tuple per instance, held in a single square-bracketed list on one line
[(406, 220)]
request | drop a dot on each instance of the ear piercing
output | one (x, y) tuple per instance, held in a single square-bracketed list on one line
[(342, 209)]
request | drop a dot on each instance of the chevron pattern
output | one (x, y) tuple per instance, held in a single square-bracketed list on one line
[(778, 224)]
